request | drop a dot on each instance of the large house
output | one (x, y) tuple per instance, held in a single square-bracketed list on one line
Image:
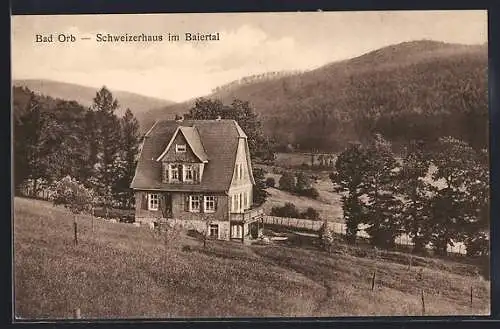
[(197, 173)]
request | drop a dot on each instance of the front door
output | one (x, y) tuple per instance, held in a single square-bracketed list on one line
[(236, 231), (254, 230), (166, 205)]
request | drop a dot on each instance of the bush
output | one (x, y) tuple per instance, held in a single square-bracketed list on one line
[(288, 210), (303, 182), (326, 236), (310, 193), (72, 194), (270, 182), (287, 182), (310, 213), (478, 245)]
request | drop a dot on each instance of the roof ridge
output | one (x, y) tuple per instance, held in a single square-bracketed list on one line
[(201, 141)]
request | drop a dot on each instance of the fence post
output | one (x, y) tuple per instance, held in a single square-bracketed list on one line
[(423, 302), (471, 298), (76, 232), (373, 279)]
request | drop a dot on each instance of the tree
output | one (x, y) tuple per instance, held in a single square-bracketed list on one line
[(326, 236), (72, 195), (110, 167), (446, 219), (460, 207), (259, 190), (33, 143), (287, 182), (348, 179), (129, 150), (383, 209), (303, 182), (416, 193), (241, 112)]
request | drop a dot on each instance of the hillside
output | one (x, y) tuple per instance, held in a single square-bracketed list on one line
[(418, 89), (122, 271), (84, 95)]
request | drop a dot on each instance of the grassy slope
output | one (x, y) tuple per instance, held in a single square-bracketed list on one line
[(124, 271)]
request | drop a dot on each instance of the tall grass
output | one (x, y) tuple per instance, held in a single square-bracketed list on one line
[(122, 271)]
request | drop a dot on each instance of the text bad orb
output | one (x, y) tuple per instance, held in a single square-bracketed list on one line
[(62, 37)]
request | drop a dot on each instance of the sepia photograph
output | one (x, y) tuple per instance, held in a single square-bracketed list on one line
[(266, 165)]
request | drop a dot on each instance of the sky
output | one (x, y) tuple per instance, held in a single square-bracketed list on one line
[(250, 43)]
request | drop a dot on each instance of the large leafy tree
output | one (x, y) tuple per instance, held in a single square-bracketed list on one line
[(70, 139), (416, 193), (351, 166), (241, 112), (383, 208), (461, 206)]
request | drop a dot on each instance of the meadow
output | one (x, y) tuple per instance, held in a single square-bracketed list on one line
[(118, 270)]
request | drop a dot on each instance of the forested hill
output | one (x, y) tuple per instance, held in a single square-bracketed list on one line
[(84, 95), (418, 89)]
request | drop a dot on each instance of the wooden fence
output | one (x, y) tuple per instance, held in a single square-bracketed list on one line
[(340, 228)]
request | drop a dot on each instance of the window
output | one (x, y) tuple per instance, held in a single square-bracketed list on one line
[(235, 203), (241, 201), (214, 230), (209, 203), (194, 203), (174, 172), (245, 201), (188, 172), (241, 171), (153, 201), (180, 148)]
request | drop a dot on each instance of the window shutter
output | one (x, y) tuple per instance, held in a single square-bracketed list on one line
[(181, 173), (165, 172), (201, 198), (215, 202), (186, 202), (163, 205), (144, 202)]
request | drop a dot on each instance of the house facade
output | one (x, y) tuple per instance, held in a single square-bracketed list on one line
[(197, 174)]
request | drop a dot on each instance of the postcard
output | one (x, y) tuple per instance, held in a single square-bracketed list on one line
[(264, 165)]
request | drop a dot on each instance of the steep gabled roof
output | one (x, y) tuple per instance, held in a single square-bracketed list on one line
[(217, 138), (194, 142)]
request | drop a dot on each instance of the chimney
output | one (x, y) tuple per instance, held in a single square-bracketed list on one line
[(218, 118)]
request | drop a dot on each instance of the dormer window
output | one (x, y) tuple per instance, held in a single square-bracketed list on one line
[(180, 148)]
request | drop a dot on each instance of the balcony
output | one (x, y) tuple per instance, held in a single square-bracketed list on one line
[(247, 216)]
